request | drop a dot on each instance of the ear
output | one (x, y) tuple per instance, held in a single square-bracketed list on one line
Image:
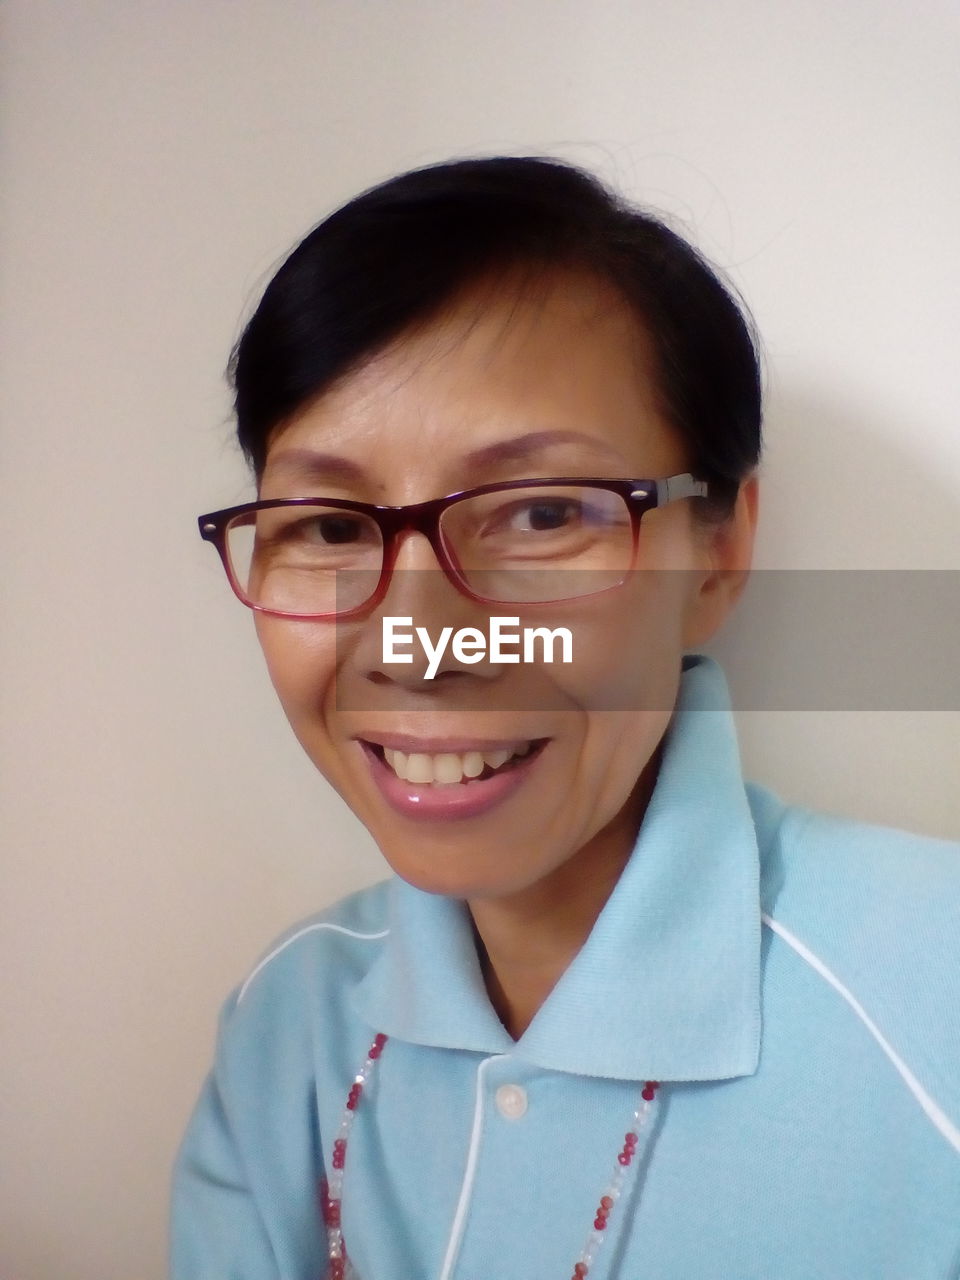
[(728, 554)]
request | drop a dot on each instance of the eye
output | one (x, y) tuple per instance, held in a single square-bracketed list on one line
[(320, 529), (333, 529), (541, 515)]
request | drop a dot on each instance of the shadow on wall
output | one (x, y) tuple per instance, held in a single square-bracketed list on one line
[(840, 492), (843, 667), (867, 615)]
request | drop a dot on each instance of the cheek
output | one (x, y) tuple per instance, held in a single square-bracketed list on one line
[(627, 653), (626, 677), (619, 746), (302, 662)]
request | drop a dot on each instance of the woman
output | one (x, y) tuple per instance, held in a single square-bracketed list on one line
[(616, 1013)]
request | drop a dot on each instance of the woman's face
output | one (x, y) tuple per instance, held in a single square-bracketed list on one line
[(507, 384)]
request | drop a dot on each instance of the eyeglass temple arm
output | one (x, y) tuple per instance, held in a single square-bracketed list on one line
[(675, 487)]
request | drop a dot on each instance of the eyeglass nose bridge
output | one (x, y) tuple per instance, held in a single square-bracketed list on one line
[(423, 518)]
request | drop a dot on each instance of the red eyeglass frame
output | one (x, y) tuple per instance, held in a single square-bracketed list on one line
[(640, 496)]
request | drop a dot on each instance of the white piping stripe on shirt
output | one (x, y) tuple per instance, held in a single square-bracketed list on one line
[(940, 1121), (310, 928), (466, 1189)]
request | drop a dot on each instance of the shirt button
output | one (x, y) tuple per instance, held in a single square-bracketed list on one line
[(511, 1101)]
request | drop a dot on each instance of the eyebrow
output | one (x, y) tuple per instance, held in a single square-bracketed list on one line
[(519, 448), (310, 462), (331, 466)]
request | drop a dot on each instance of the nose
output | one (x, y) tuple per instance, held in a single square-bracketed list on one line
[(419, 586), (413, 550), (420, 590)]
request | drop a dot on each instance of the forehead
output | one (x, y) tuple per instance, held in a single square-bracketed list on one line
[(563, 358)]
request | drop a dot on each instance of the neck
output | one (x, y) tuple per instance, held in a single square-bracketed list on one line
[(527, 940)]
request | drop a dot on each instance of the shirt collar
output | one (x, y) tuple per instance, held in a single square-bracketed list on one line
[(667, 986)]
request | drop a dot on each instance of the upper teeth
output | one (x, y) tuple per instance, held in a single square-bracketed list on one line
[(448, 766)]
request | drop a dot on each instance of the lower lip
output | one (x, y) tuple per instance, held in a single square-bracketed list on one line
[(448, 800)]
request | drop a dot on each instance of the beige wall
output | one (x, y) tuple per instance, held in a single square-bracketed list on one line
[(159, 824)]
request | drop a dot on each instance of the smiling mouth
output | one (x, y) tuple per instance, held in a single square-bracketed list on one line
[(452, 768)]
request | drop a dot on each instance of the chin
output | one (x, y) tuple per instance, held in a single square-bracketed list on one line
[(452, 873)]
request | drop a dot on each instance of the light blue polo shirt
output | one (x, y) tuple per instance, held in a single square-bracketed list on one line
[(792, 979)]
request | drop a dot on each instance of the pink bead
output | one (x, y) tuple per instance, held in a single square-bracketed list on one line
[(599, 1223), (631, 1139), (648, 1094), (606, 1203), (580, 1270), (352, 1103), (625, 1157)]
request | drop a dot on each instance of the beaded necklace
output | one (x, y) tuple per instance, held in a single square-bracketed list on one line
[(331, 1191)]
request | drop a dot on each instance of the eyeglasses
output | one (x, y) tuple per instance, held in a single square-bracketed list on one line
[(526, 542)]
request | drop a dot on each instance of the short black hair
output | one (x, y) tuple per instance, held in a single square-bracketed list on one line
[(399, 251)]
